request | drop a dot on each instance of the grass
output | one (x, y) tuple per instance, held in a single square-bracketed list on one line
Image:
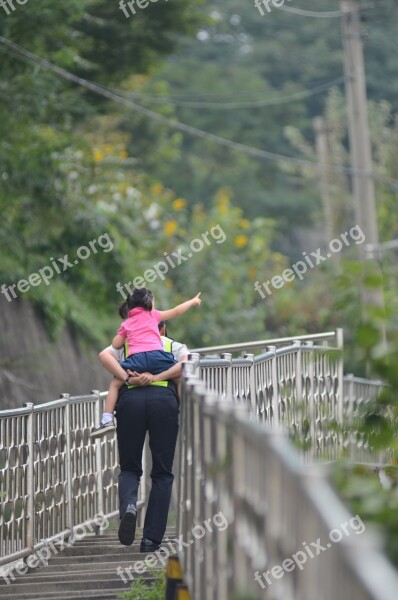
[(142, 590)]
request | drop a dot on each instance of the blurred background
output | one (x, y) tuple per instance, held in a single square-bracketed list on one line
[(121, 142)]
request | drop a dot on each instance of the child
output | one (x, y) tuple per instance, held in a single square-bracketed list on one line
[(145, 351)]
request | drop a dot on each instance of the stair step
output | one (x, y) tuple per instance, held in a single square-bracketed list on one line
[(77, 567), (63, 584), (73, 576), (91, 568)]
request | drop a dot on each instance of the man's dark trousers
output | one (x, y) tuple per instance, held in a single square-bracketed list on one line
[(154, 409)]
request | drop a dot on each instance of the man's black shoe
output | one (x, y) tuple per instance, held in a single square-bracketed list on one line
[(148, 545), (127, 526)]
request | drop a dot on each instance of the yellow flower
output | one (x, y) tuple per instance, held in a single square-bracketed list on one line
[(98, 156), (179, 204), (223, 202), (222, 196), (170, 227), (244, 223), (168, 283), (241, 241), (252, 272), (157, 189), (123, 154), (223, 208), (279, 259), (108, 149)]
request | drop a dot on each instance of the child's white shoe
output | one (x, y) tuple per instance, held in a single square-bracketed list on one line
[(103, 429)]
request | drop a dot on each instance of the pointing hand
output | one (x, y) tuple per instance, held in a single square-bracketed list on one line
[(197, 301)]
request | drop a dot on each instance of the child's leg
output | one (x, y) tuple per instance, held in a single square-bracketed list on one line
[(107, 424), (111, 400)]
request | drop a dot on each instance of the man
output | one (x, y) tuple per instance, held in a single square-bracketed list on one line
[(149, 404)]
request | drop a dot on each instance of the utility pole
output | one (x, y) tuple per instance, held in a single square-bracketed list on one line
[(361, 156), (322, 152)]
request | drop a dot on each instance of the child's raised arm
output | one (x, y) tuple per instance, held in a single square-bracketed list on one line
[(180, 308)]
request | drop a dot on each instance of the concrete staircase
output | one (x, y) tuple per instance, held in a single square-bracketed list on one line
[(86, 570)]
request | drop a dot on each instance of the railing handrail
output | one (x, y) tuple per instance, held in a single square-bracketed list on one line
[(12, 412), (263, 343), (353, 378)]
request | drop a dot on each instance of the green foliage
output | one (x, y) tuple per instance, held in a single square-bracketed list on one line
[(360, 487), (142, 590), (75, 166), (372, 492)]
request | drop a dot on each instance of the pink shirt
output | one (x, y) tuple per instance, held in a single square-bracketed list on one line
[(141, 330)]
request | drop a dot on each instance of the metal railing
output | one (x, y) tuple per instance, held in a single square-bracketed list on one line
[(299, 386), (275, 507), (53, 478)]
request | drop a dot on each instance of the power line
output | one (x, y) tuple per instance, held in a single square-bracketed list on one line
[(245, 104), (106, 93), (333, 14)]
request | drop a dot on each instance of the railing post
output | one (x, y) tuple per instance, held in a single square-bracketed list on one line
[(189, 369), (340, 373), (349, 413), (299, 373), (98, 456), (30, 483), (311, 395), (69, 517), (349, 380), (275, 387), (193, 362), (252, 383), (228, 389)]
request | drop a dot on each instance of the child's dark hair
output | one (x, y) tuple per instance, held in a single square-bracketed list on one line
[(140, 298)]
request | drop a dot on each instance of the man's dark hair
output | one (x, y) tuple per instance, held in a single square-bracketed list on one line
[(162, 324)]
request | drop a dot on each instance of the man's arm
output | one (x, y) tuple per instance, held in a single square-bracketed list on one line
[(172, 373), (148, 378), (111, 364)]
